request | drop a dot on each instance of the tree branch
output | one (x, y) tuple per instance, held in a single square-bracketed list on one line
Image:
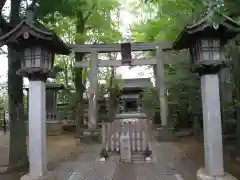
[(2, 3), (2, 51), (4, 25), (33, 4), (3, 22), (26, 2), (89, 13), (15, 10)]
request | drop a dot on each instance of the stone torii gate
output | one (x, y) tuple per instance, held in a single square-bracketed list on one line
[(125, 49)]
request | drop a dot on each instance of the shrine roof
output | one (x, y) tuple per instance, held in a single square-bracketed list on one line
[(137, 83)]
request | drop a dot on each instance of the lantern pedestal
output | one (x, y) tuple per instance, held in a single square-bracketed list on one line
[(37, 131), (202, 175), (48, 176), (39, 45), (213, 147), (165, 134)]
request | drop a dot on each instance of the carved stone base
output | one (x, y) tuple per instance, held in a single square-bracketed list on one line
[(165, 134), (52, 128), (78, 141), (201, 175), (91, 136)]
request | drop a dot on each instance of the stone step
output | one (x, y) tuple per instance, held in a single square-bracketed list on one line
[(138, 158)]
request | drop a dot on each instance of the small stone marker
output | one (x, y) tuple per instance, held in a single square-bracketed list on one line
[(102, 159), (125, 147), (148, 159)]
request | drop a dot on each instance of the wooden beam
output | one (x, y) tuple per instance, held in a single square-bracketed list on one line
[(103, 48), (116, 63), (171, 58)]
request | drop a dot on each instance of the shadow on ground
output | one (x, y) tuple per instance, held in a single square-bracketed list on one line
[(60, 148), (195, 151)]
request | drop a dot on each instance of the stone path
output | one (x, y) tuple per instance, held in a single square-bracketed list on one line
[(87, 167), (171, 160), (169, 163), (93, 171)]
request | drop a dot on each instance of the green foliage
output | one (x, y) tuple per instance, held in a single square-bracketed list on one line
[(164, 20), (79, 21), (113, 83), (168, 19), (110, 90), (183, 90), (92, 19), (150, 101)]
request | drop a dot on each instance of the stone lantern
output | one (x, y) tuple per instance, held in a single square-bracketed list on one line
[(53, 125), (38, 45), (205, 42)]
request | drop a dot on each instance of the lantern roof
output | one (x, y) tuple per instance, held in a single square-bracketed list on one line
[(226, 29), (51, 86), (31, 32)]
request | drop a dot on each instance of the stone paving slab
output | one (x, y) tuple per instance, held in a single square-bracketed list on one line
[(87, 166), (141, 172), (64, 170), (91, 154), (172, 160), (93, 171)]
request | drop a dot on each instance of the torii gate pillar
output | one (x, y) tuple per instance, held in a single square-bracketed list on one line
[(160, 84), (164, 134), (92, 99)]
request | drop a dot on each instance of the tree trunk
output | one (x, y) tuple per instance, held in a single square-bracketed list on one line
[(80, 104), (237, 113), (197, 128), (226, 97), (80, 117), (18, 148), (234, 54), (237, 128), (112, 109), (112, 101), (78, 81)]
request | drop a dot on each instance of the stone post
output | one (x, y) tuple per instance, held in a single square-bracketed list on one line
[(92, 111), (37, 129), (212, 126)]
